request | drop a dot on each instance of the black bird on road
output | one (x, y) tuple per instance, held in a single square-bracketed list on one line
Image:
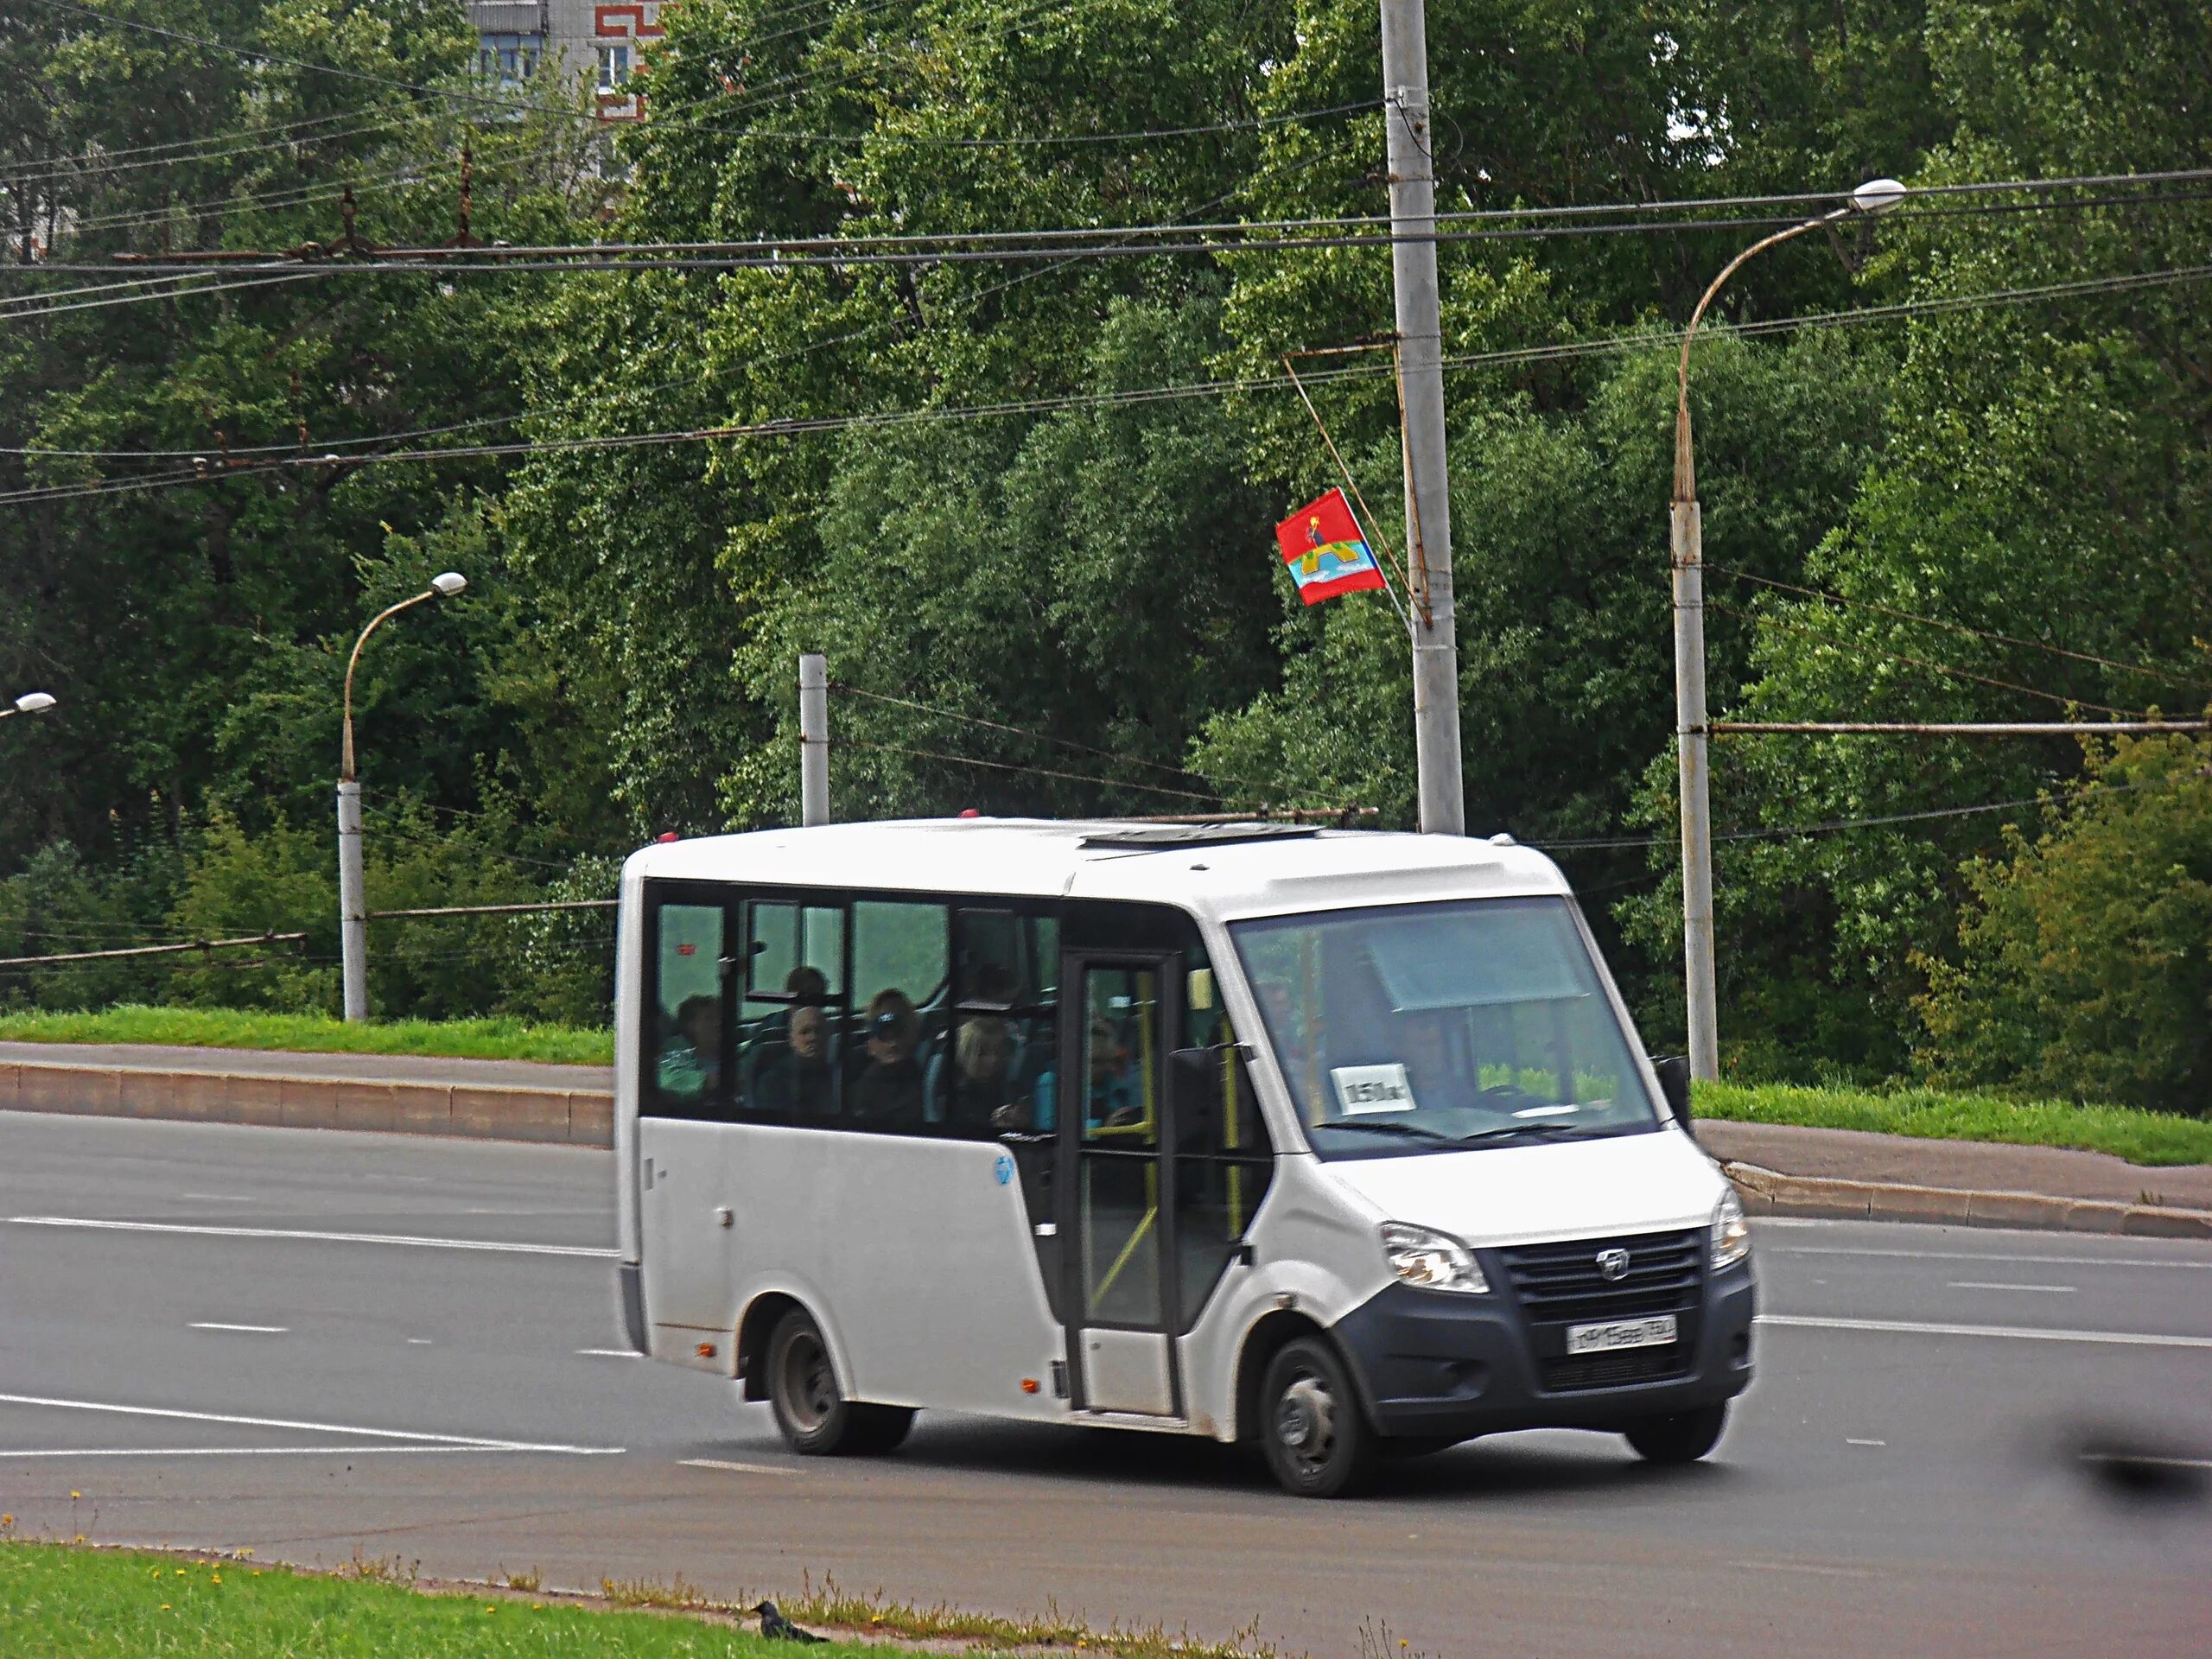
[(777, 1628)]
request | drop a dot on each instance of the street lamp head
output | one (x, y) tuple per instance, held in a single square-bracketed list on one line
[(34, 703), (1878, 196), (448, 585)]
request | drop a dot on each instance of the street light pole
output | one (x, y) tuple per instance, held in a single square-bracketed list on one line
[(1875, 197), (1420, 388), (352, 903)]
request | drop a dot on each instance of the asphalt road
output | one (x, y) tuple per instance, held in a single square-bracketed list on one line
[(323, 1347)]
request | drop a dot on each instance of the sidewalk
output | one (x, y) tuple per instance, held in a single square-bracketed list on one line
[(1783, 1169)]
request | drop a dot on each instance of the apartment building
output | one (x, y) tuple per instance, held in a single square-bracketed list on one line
[(519, 41)]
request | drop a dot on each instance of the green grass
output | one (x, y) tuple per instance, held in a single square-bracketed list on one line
[(2157, 1138), (62, 1603), (315, 1033)]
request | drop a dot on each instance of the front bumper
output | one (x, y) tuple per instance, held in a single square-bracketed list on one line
[(1439, 1363)]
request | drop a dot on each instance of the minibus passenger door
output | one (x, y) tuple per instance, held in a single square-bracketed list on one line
[(1115, 1119)]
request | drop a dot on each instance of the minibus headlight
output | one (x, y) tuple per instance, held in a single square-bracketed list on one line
[(1431, 1260), (1731, 1234)]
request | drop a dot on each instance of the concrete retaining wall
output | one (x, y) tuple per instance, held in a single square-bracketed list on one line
[(1767, 1192), (493, 1111)]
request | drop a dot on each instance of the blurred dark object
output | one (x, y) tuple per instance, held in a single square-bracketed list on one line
[(1674, 1084), (2134, 1469)]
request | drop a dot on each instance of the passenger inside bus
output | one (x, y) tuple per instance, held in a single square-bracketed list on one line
[(1117, 1097), (690, 1060), (982, 1082), (887, 1091), (795, 1080)]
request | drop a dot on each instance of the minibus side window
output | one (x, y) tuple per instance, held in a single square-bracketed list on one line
[(995, 1074), (1224, 1162), (685, 1072), (790, 1023), (900, 1013)]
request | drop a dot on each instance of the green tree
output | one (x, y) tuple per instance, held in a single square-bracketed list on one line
[(2085, 955)]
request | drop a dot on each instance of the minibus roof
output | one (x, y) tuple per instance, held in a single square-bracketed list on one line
[(1266, 869)]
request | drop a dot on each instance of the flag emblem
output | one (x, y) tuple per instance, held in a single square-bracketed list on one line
[(1327, 554)]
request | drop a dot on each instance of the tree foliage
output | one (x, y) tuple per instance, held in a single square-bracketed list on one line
[(1023, 505)]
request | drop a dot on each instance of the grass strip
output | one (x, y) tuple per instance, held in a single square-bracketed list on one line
[(57, 1602), (316, 1033), (2157, 1138), (62, 1602)]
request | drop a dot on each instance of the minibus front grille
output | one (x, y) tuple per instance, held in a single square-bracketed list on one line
[(1610, 1371), (1564, 1283)]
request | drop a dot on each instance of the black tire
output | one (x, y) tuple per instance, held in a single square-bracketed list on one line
[(1679, 1437), (814, 1418), (1316, 1437)]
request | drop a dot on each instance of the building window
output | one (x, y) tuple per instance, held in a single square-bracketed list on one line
[(510, 59), (614, 67)]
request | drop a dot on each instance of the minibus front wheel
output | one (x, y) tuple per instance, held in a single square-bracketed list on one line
[(1317, 1439), (813, 1417), (1678, 1437)]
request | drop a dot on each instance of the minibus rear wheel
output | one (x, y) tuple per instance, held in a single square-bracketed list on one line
[(813, 1416), (1317, 1439), (1679, 1436)]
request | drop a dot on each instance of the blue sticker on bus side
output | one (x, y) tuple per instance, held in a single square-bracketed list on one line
[(1004, 1169)]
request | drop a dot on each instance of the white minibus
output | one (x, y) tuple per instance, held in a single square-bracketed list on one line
[(1340, 1143)]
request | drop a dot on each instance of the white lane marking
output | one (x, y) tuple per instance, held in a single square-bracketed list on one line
[(256, 1330), (2023, 1332), (737, 1468), (1852, 1442), (1994, 1260), (479, 1442), (609, 1353), (1807, 1567), (261, 1452), (2163, 1463), (217, 1198), (418, 1342), (422, 1244), (1991, 1284)]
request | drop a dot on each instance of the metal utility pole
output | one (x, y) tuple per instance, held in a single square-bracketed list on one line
[(1420, 396), (813, 739), (353, 897), (1692, 730)]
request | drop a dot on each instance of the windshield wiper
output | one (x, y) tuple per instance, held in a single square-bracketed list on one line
[(1530, 1131), (1411, 1131)]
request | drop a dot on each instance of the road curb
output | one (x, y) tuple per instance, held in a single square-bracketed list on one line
[(477, 1110), (1769, 1192)]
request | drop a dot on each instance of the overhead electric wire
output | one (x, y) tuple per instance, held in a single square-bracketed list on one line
[(839, 687), (288, 456), (796, 253), (1960, 627), (1009, 765), (259, 146), (270, 281), (1780, 832), (758, 97), (1853, 649)]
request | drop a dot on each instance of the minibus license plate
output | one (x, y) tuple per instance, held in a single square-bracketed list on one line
[(1654, 1332)]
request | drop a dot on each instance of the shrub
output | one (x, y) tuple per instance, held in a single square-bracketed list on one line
[(2085, 959)]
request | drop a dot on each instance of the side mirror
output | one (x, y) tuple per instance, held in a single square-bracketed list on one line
[(1674, 1084)]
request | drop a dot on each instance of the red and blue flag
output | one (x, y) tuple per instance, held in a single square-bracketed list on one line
[(1327, 554)]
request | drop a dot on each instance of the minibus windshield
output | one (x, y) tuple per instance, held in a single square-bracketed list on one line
[(1463, 1024)]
